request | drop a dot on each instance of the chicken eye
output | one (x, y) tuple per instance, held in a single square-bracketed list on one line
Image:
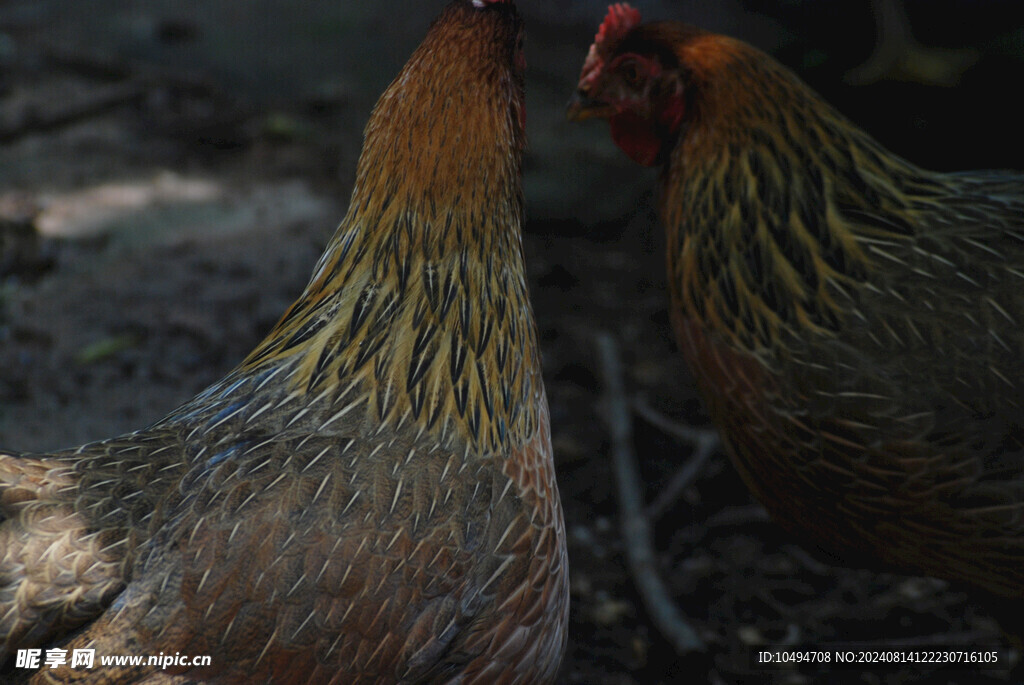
[(631, 74)]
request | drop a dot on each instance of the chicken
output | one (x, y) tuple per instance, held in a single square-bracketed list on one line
[(369, 497), (853, 321)]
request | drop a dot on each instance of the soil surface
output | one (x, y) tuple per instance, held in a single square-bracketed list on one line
[(169, 173)]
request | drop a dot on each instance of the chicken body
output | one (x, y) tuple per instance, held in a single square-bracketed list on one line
[(370, 496), (853, 321)]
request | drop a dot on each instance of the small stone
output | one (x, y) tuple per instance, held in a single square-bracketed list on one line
[(750, 635)]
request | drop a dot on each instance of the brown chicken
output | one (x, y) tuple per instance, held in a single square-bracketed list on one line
[(370, 496), (854, 322)]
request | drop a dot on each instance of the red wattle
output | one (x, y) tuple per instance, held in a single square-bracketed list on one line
[(636, 137)]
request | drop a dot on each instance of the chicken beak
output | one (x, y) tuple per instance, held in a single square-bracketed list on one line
[(582, 108)]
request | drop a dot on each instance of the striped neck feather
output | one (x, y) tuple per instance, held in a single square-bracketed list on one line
[(771, 202)]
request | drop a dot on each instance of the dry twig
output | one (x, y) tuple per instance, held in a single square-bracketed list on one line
[(636, 529), (63, 114), (705, 442)]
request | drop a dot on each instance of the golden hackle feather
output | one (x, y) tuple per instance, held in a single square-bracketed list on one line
[(431, 246)]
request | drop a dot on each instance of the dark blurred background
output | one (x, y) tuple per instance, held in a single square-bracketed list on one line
[(170, 170)]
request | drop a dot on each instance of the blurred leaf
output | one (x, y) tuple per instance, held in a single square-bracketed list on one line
[(284, 127), (107, 347)]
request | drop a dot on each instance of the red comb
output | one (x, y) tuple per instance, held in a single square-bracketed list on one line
[(620, 20)]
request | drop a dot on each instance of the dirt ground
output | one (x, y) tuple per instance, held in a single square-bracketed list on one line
[(166, 187)]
